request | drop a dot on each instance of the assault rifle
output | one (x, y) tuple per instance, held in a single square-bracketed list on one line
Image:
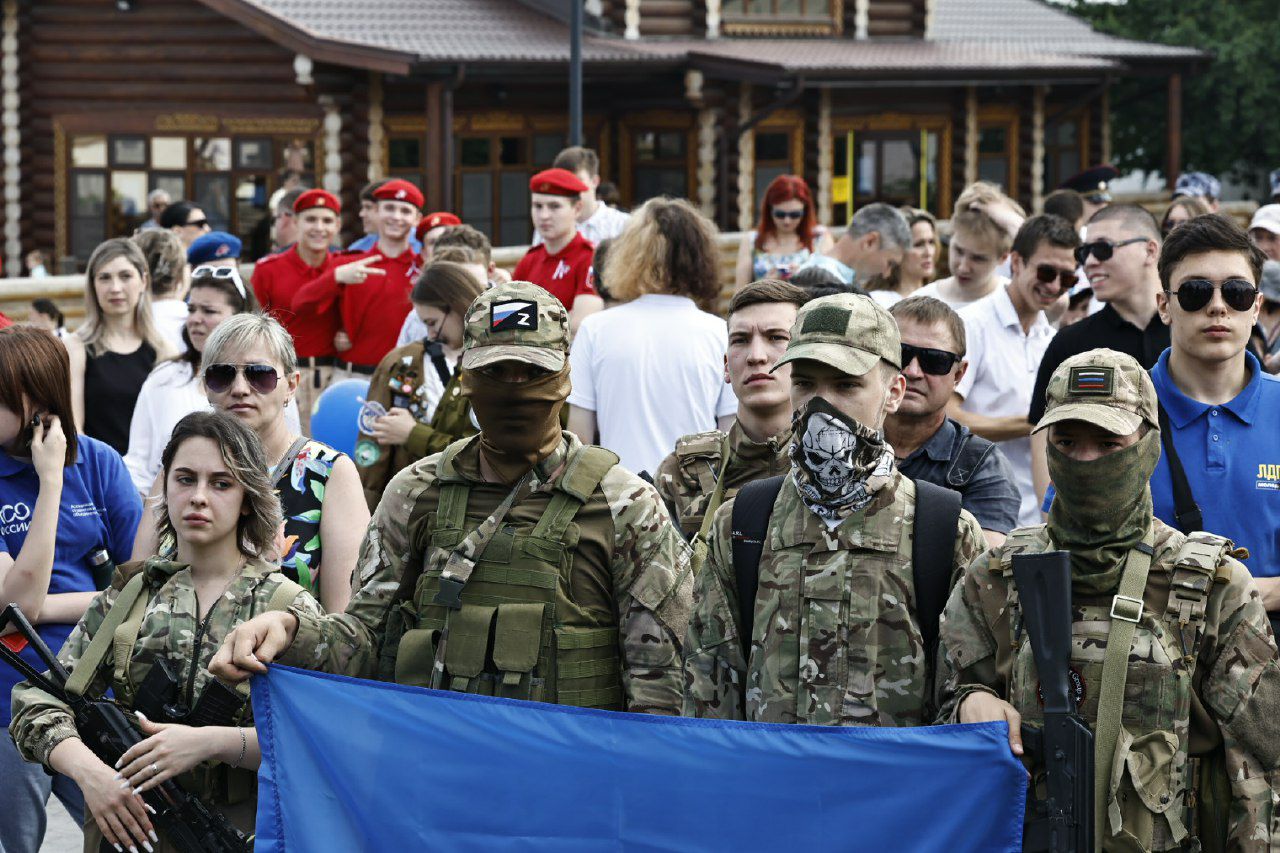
[(184, 820), (1063, 822)]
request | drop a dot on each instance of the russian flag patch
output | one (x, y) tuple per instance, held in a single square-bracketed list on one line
[(513, 314), (1094, 381)]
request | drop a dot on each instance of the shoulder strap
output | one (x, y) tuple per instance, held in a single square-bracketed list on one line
[(933, 542), (1185, 509), (1195, 568), (973, 451), (434, 352), (121, 611), (289, 455), (585, 470), (750, 522), (717, 495), (696, 453)]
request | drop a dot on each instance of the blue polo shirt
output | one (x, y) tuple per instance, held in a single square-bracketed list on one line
[(1231, 454), (99, 507)]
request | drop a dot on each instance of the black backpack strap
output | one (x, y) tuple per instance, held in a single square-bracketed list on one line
[(968, 458), (752, 507), (933, 543), (1185, 509), (433, 351)]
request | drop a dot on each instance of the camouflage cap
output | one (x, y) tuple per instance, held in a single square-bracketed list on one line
[(1103, 387), (848, 331), (518, 321)]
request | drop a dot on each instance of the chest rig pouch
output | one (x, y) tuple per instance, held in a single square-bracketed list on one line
[(517, 630), (1148, 795)]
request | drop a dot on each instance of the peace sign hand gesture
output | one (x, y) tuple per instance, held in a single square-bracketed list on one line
[(357, 271)]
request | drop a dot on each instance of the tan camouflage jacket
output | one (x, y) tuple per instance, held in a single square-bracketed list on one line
[(687, 477), (834, 641), (1172, 705), (625, 541), (170, 628)]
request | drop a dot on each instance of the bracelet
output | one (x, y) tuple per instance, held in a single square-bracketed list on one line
[(244, 745)]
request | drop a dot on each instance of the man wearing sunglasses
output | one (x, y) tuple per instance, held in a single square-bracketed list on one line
[(1223, 409), (928, 444), (1008, 334), (1119, 254)]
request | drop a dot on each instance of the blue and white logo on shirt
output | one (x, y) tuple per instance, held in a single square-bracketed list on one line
[(14, 518)]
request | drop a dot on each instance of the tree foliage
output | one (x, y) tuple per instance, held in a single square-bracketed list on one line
[(1230, 120)]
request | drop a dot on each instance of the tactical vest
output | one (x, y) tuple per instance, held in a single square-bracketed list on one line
[(1152, 774), (520, 633)]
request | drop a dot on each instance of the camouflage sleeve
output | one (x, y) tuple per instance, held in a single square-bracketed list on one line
[(348, 643), (967, 646), (374, 472), (1242, 691), (969, 544), (715, 667), (666, 481), (41, 722), (653, 584)]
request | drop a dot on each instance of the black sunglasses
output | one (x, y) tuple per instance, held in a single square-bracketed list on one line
[(935, 362), (787, 214), (262, 378), (1196, 293), (199, 223), (1104, 249), (1047, 273)]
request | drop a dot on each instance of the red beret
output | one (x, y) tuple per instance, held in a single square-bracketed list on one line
[(317, 198), (400, 190), (557, 182), (441, 219)]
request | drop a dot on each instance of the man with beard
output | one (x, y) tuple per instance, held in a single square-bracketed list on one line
[(516, 563), (1172, 660), (828, 626)]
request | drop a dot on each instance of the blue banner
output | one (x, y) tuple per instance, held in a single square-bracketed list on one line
[(361, 765)]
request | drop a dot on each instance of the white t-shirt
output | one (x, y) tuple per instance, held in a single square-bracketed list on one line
[(652, 370), (934, 289), (412, 329), (170, 316), (1003, 362), (886, 298)]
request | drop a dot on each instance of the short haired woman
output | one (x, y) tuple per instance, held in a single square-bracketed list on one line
[(219, 509), (786, 235)]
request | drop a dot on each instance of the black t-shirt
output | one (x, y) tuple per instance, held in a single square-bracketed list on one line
[(1104, 329), (112, 381)]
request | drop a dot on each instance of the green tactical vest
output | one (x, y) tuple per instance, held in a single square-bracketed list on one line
[(519, 633), (1149, 804)]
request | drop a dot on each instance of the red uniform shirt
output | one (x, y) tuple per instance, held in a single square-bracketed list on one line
[(564, 274), (372, 311), (276, 281)]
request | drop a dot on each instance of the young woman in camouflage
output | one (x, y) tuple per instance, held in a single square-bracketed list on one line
[(219, 507)]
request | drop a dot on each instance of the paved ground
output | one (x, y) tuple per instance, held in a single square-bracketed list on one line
[(63, 836)]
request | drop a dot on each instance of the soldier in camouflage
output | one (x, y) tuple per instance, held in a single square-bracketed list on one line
[(755, 447), (835, 638), (1188, 758), (518, 563)]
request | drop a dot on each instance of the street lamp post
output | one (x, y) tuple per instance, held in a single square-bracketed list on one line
[(575, 72)]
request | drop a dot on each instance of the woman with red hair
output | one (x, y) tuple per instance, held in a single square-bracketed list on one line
[(787, 234)]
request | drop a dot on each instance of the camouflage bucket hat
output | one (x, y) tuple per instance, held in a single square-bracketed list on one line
[(1103, 387), (517, 321), (848, 331)]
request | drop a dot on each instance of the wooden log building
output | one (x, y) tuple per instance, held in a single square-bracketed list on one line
[(901, 101)]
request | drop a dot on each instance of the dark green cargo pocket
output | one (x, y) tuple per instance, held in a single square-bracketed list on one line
[(468, 645), (415, 655), (517, 640)]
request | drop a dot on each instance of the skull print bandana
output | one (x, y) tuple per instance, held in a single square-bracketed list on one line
[(838, 464)]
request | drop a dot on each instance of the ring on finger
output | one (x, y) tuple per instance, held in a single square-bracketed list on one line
[(155, 770)]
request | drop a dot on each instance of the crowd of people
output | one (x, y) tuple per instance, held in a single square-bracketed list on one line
[(579, 483)]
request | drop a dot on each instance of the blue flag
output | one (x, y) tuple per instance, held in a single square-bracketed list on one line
[(360, 765)]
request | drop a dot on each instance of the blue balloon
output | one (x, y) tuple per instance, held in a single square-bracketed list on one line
[(337, 410)]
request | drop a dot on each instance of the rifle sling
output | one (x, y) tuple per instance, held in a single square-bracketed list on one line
[(1185, 509), (104, 638), (717, 496), (1115, 670)]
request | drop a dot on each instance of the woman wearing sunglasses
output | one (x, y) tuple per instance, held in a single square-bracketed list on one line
[(218, 507), (786, 235)]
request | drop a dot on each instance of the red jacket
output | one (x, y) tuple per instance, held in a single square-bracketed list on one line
[(276, 281), (565, 274), (372, 312)]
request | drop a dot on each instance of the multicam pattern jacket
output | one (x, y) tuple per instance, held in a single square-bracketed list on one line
[(171, 629), (625, 544), (834, 639), (1185, 688)]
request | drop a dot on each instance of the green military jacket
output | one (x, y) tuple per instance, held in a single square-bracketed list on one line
[(624, 545), (834, 639), (1188, 688), (687, 477), (401, 373), (170, 629)]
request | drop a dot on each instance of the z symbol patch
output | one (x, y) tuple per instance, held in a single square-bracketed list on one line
[(513, 314)]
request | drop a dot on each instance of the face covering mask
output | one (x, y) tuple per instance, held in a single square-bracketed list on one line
[(1102, 510), (519, 421), (838, 464)]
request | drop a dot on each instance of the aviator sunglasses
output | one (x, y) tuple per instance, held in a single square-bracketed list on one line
[(1103, 249), (262, 378), (787, 214), (1196, 293), (935, 362)]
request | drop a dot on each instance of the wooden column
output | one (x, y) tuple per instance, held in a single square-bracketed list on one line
[(439, 188), (746, 163), (11, 145), (1173, 148), (377, 134), (1037, 147), (971, 135), (1105, 109), (826, 158)]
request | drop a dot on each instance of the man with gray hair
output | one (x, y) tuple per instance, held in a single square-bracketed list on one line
[(876, 239), (157, 201)]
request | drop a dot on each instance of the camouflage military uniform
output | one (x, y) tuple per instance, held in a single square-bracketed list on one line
[(398, 381), (578, 587), (687, 477)]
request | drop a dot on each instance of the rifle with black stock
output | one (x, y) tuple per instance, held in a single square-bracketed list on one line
[(1063, 821), (183, 819)]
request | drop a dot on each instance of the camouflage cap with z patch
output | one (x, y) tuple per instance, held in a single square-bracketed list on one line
[(517, 321)]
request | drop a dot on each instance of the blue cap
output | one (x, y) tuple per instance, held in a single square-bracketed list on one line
[(214, 246), (1197, 185)]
